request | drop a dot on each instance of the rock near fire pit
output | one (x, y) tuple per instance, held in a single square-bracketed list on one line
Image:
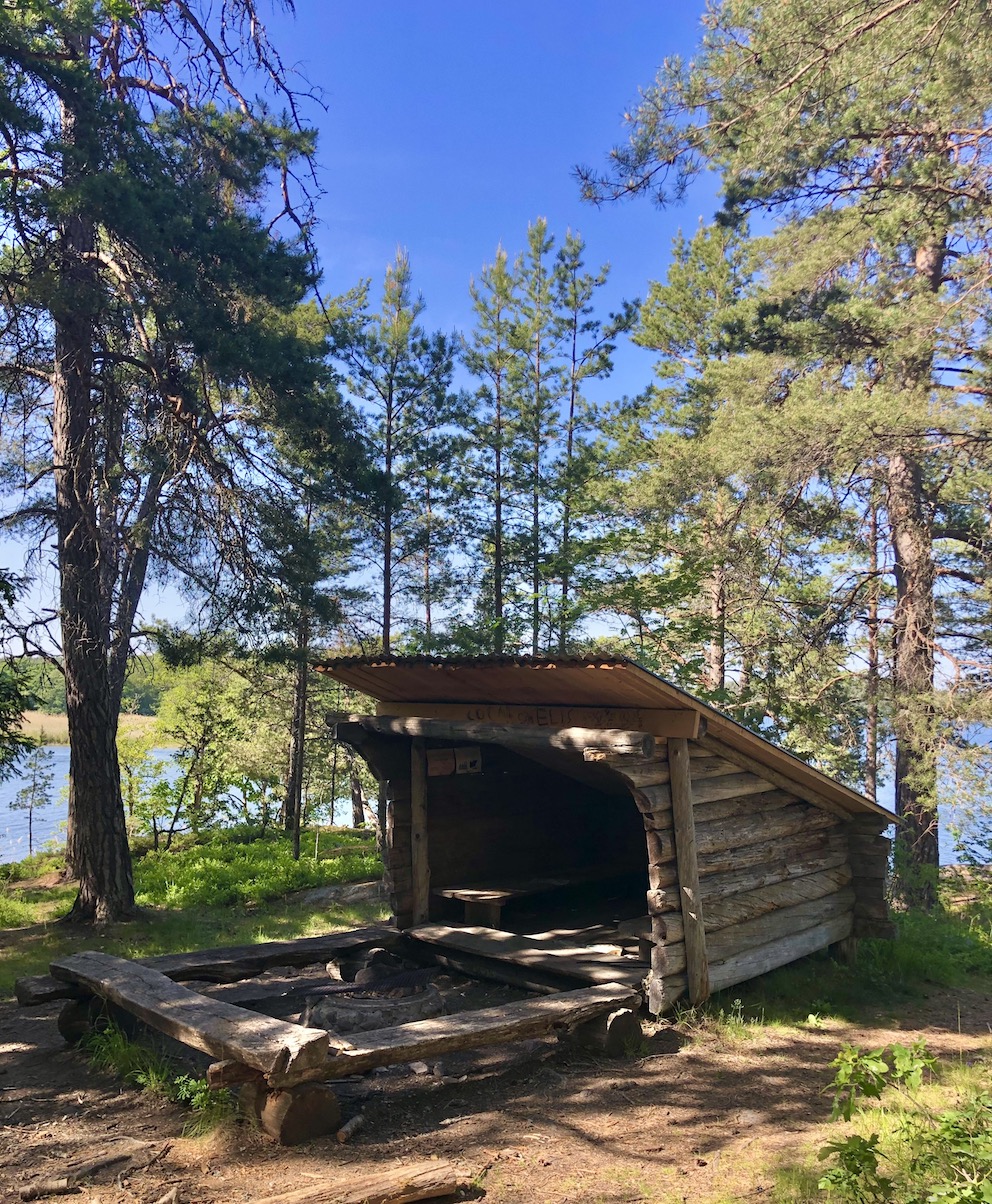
[(363, 1013)]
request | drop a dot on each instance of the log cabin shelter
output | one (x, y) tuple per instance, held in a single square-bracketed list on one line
[(580, 819)]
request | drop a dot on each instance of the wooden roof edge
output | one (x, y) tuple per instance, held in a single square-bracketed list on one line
[(723, 730), (719, 725)]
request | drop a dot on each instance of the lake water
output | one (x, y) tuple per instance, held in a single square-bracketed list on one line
[(49, 820)]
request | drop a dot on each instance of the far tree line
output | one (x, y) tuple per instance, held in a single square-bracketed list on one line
[(790, 519)]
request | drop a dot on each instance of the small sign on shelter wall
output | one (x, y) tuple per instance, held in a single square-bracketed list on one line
[(442, 762), (468, 760)]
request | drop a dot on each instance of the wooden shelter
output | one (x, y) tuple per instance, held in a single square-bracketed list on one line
[(532, 806)]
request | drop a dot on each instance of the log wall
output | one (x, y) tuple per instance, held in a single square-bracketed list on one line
[(776, 876)]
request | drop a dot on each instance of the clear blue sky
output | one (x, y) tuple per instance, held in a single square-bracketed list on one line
[(451, 124)]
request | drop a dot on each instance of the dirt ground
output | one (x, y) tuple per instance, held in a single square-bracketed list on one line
[(704, 1120)]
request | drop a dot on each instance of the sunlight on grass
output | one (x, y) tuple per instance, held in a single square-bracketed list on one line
[(226, 891)]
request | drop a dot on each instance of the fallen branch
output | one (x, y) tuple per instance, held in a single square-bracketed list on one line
[(418, 1181)]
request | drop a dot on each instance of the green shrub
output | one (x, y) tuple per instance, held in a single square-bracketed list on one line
[(922, 1154), (223, 872), (14, 913)]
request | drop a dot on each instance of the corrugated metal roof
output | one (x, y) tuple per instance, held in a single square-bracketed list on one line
[(568, 681)]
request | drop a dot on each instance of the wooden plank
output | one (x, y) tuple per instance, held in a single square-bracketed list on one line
[(656, 800), (427, 1039), (35, 989), (760, 827), (657, 722), (731, 808), (765, 958), (767, 852), (558, 955), (777, 862), (418, 832), (523, 888), (220, 1029), (228, 964), (688, 869), (245, 961), (656, 771), (393, 1185), (736, 909), (620, 742), (733, 944)]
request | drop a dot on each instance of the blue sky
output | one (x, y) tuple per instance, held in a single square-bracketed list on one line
[(450, 125)]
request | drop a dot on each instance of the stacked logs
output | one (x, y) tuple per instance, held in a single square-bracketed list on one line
[(778, 877)]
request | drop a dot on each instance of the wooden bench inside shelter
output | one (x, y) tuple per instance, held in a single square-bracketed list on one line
[(484, 903)]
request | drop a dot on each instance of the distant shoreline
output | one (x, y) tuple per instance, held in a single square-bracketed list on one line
[(54, 729)]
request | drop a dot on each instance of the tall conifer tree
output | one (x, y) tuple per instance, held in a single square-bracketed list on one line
[(866, 127)]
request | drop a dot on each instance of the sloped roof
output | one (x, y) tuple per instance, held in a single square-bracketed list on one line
[(586, 681)]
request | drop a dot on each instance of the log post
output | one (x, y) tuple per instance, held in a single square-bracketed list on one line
[(418, 832), (688, 869)]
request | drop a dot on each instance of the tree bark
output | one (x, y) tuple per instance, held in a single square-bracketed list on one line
[(96, 847), (294, 786), (917, 851), (917, 855)]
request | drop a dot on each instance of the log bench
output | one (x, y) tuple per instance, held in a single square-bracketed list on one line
[(484, 903), (285, 1068)]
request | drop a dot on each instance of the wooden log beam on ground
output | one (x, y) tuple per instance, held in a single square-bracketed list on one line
[(427, 1039), (393, 1185), (612, 741), (560, 956), (744, 966), (229, 964), (685, 849), (227, 1032)]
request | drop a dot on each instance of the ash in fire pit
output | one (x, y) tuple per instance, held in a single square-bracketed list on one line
[(385, 992)]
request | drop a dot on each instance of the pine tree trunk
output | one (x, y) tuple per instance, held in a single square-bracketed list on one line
[(294, 790), (387, 533), (917, 851), (499, 604), (715, 657), (97, 851), (871, 688)]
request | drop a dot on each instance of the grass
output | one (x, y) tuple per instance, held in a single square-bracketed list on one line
[(108, 1048), (54, 729), (226, 891)]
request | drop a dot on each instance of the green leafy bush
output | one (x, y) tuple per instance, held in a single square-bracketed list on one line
[(222, 872), (14, 913), (929, 1156)]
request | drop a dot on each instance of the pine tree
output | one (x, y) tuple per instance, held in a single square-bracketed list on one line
[(400, 377), (490, 356), (38, 776), (865, 129), (143, 291)]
